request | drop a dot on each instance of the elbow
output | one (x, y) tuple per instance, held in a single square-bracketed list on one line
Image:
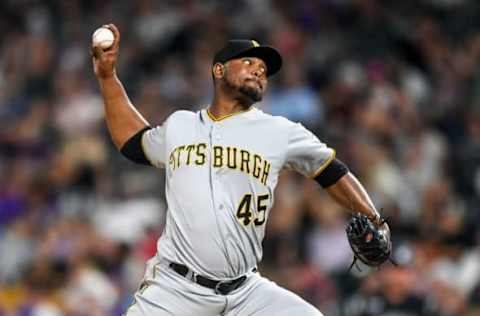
[(120, 137), (119, 143)]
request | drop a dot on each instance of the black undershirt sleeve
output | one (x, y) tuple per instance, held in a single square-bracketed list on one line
[(133, 150), (332, 173)]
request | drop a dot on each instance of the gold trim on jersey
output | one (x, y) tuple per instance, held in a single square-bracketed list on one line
[(217, 119), (323, 165)]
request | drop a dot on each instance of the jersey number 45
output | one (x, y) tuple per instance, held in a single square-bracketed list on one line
[(244, 211)]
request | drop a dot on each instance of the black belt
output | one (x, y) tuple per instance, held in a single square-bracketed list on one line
[(220, 287)]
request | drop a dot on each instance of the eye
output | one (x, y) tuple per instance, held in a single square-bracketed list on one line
[(247, 61)]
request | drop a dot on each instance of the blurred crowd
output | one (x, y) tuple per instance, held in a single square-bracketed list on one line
[(393, 86)]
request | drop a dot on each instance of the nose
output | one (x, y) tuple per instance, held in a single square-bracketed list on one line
[(258, 72)]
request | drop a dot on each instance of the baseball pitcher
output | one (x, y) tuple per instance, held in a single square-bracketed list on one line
[(222, 165)]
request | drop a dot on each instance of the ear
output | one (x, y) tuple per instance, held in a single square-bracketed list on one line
[(218, 70)]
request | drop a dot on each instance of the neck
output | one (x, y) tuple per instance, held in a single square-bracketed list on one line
[(223, 105)]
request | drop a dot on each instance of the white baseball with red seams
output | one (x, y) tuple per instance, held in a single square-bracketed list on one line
[(103, 38)]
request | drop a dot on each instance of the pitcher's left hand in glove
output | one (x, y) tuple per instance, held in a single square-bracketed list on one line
[(370, 241)]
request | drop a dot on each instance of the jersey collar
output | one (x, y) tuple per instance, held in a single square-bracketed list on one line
[(222, 118)]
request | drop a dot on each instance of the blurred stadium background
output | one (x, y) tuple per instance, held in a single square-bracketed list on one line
[(394, 86)]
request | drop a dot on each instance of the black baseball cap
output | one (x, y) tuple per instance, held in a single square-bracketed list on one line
[(249, 48)]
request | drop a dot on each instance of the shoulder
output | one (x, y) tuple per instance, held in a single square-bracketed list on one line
[(281, 125), (181, 116), (274, 120), (293, 131)]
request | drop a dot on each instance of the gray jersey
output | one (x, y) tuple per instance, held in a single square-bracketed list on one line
[(220, 180)]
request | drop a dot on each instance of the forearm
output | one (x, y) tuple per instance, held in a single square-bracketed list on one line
[(123, 120), (351, 194)]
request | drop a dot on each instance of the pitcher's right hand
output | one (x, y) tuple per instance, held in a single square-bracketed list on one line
[(104, 61)]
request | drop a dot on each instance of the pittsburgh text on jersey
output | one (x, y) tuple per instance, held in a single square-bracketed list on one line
[(230, 157)]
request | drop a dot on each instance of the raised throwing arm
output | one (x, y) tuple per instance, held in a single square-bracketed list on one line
[(123, 120)]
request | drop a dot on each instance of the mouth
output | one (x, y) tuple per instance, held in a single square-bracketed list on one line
[(257, 82)]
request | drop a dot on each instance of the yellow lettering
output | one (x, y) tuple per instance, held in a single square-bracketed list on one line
[(266, 170), (189, 152), (249, 163), (217, 156), (179, 151), (244, 161), (201, 154), (256, 166), (172, 159), (231, 157)]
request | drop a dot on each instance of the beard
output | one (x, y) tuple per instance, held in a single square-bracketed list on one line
[(252, 94)]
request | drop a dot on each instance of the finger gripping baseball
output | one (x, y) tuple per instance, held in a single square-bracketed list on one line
[(370, 244)]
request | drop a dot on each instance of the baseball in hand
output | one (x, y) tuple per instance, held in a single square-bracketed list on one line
[(102, 38)]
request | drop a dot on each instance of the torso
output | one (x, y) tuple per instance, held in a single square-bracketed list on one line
[(220, 181)]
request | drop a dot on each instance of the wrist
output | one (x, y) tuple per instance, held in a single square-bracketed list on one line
[(107, 76), (375, 218), (105, 80)]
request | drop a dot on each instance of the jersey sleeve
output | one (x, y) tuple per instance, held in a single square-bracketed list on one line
[(306, 153), (153, 145)]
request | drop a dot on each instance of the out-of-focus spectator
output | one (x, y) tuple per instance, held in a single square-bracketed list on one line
[(392, 292)]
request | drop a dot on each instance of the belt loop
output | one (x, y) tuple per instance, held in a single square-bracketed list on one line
[(191, 276)]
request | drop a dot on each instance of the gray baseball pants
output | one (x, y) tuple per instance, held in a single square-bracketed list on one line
[(165, 292)]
